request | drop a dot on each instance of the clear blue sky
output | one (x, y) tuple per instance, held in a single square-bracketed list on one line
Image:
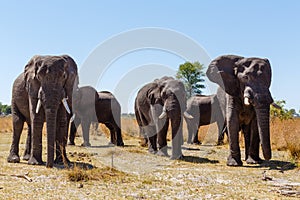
[(268, 29)]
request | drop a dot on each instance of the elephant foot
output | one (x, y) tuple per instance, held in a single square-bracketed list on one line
[(86, 144), (143, 142), (111, 144), (71, 143), (177, 157), (220, 143), (120, 144), (252, 161), (26, 157), (13, 158), (60, 161), (34, 161), (152, 151), (197, 142), (163, 152), (234, 162)]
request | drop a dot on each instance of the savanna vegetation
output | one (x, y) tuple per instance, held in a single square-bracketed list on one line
[(132, 173)]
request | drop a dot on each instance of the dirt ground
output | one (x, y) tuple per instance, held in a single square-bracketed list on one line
[(202, 174)]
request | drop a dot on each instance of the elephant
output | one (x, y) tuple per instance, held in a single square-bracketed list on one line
[(206, 110), (101, 107), (43, 93), (156, 104), (245, 98)]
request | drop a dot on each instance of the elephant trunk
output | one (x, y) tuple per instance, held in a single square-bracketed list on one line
[(263, 123), (177, 136), (51, 135)]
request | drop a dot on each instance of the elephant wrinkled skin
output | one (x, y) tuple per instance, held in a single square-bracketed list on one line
[(245, 98), (205, 110), (156, 104), (43, 93), (90, 106)]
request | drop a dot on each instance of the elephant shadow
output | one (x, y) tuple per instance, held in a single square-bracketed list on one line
[(196, 159), (276, 165), (73, 165)]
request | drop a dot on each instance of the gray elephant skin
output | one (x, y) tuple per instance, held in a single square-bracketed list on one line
[(40, 94), (245, 98), (92, 106), (205, 110), (156, 104)]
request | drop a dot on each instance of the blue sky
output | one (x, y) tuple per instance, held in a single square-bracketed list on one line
[(268, 29)]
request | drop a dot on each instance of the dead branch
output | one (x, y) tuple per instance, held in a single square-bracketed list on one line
[(25, 176)]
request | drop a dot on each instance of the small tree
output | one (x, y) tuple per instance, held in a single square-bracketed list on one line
[(191, 74), (282, 114)]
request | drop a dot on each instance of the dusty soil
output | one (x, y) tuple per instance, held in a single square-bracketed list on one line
[(202, 174)]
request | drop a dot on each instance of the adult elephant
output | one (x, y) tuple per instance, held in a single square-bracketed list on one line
[(156, 104), (245, 98), (206, 110), (48, 83), (90, 106)]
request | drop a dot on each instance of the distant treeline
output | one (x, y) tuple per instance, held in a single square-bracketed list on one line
[(128, 115), (5, 109)]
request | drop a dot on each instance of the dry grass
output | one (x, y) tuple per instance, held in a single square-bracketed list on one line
[(203, 173), (105, 174), (5, 125), (284, 134)]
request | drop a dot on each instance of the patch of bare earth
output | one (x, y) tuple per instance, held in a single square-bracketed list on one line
[(107, 172)]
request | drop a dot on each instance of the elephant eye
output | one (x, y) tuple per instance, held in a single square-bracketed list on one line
[(247, 64), (240, 69)]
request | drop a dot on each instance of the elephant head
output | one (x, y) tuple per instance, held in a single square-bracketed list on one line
[(247, 79), (170, 93), (49, 81)]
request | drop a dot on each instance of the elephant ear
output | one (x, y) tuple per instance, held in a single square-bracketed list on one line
[(31, 69), (71, 74), (222, 71), (268, 72), (153, 94)]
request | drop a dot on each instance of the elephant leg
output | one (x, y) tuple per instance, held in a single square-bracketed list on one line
[(143, 136), (177, 138), (196, 137), (246, 131), (234, 158), (221, 131), (162, 139), (113, 139), (18, 124), (26, 154), (152, 138), (85, 124), (73, 131), (190, 128), (253, 153), (36, 139), (118, 132), (61, 137)]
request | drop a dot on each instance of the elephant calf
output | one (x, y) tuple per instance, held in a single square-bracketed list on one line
[(205, 110), (90, 106)]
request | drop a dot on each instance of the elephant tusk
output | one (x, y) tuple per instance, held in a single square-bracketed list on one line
[(38, 106), (72, 118), (187, 115), (246, 101), (64, 101), (162, 115)]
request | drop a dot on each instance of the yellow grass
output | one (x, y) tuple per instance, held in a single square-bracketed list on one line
[(284, 134)]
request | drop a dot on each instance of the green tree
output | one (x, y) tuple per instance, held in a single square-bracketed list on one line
[(191, 74), (5, 109), (283, 113)]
